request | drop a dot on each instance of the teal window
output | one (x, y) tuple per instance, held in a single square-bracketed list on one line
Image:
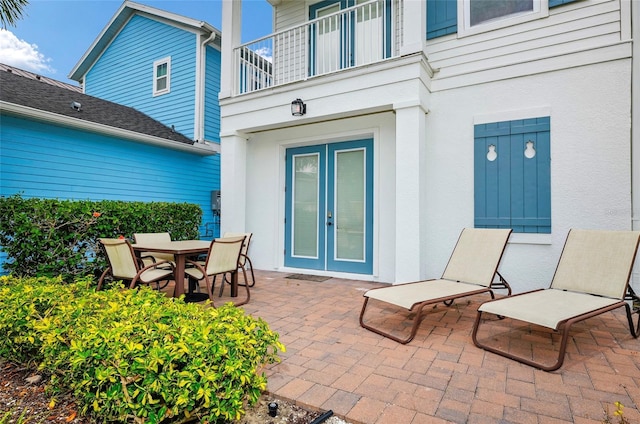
[(512, 175)]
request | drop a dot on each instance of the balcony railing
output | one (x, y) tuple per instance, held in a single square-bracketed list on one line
[(363, 34)]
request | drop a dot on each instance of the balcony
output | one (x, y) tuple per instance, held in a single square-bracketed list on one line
[(366, 33)]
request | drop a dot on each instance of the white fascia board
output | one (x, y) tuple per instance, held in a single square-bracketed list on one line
[(202, 149)]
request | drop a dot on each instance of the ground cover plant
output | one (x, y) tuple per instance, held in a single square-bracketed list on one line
[(136, 355)]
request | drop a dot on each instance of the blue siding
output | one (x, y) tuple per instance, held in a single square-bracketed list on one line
[(513, 191), (442, 18), (42, 160), (124, 72), (212, 89)]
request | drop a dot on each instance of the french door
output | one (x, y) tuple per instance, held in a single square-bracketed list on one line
[(329, 207)]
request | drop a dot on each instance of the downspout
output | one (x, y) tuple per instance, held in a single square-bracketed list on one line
[(635, 127), (200, 86)]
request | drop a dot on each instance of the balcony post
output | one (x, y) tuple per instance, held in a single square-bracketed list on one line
[(233, 177), (231, 37), (414, 26)]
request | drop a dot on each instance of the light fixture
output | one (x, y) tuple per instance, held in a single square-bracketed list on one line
[(298, 108)]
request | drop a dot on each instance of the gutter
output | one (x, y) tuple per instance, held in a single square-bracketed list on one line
[(201, 149), (200, 87)]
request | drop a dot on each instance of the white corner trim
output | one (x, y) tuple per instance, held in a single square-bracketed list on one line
[(203, 149)]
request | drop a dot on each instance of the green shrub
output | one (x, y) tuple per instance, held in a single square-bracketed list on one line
[(136, 355), (50, 237)]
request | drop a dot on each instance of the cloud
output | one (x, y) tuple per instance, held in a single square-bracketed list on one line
[(265, 52), (21, 54)]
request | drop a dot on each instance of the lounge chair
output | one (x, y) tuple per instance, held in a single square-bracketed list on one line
[(471, 270), (591, 278)]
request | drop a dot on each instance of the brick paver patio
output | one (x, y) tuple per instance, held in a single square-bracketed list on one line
[(333, 363)]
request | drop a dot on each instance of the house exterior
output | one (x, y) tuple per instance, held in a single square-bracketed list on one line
[(168, 67), (422, 118), (56, 142)]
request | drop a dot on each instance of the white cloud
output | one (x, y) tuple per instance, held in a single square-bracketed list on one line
[(21, 54), (265, 52)]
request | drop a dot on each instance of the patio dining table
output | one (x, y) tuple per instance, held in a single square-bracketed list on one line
[(181, 250)]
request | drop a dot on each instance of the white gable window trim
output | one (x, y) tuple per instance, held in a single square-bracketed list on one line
[(538, 9), (162, 76)]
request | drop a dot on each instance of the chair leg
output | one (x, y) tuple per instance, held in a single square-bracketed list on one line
[(633, 329), (414, 328), (253, 277), (102, 277)]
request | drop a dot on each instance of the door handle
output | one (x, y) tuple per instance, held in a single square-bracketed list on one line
[(329, 217)]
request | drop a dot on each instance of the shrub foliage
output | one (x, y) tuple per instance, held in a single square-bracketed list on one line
[(60, 237), (136, 355)]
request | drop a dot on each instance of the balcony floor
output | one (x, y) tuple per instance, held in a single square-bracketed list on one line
[(333, 363)]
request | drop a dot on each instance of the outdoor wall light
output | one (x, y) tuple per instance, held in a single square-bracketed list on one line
[(298, 108)]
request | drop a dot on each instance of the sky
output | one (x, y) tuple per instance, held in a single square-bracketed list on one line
[(53, 35)]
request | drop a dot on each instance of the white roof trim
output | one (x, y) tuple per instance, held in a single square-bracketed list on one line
[(202, 149)]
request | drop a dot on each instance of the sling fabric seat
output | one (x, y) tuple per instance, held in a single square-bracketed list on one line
[(123, 265), (223, 257), (150, 239), (244, 261), (591, 278), (471, 270)]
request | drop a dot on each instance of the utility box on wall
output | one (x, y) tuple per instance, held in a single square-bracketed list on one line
[(215, 202)]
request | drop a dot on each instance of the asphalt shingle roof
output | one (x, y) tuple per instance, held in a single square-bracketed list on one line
[(43, 96)]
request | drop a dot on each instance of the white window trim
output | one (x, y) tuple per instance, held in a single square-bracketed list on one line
[(157, 63), (540, 10)]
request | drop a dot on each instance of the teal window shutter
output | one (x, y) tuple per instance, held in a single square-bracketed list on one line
[(554, 3), (442, 18), (512, 175)]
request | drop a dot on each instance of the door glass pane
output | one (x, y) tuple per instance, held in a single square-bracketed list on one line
[(328, 40), (305, 205), (350, 205), (369, 32)]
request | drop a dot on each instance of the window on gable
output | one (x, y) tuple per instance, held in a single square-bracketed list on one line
[(161, 76), (467, 17), (512, 175)]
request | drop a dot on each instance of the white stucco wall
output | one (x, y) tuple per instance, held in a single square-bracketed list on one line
[(590, 160)]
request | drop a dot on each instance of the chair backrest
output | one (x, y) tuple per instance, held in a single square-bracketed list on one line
[(150, 239), (224, 255), (245, 246), (477, 254), (597, 262), (121, 258)]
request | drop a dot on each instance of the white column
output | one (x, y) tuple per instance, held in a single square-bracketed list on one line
[(410, 192), (233, 178), (231, 36), (414, 26)]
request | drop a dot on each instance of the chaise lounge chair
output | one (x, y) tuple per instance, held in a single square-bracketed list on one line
[(591, 278), (471, 270)]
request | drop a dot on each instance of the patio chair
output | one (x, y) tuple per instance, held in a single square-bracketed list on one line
[(591, 278), (123, 265), (471, 270), (223, 257), (244, 261), (150, 238)]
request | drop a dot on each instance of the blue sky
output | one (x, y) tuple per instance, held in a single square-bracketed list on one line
[(53, 35)]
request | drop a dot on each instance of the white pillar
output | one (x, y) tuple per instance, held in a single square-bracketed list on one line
[(231, 37), (233, 178), (414, 26), (410, 192)]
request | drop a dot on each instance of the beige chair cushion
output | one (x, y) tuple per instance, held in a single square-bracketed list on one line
[(408, 295), (151, 239), (548, 307), (597, 262), (476, 256)]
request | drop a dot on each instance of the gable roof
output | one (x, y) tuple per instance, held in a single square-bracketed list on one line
[(118, 21), (40, 100)]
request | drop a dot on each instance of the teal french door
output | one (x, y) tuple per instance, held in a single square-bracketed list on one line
[(329, 207)]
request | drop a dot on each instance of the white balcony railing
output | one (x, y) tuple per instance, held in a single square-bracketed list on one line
[(366, 33)]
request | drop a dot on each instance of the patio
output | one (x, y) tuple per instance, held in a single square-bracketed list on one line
[(333, 363)]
